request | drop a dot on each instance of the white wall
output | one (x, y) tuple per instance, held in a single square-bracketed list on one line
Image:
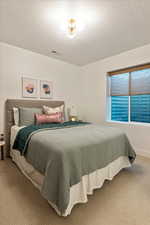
[(16, 62), (94, 85)]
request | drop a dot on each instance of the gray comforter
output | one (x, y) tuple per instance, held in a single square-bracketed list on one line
[(65, 155)]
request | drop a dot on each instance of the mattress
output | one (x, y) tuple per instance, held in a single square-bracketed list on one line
[(78, 192)]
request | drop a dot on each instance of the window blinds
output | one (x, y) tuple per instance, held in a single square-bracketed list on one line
[(130, 94), (140, 82), (140, 108), (131, 83), (119, 108), (120, 85)]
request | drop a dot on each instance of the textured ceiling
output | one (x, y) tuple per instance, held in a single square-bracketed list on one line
[(108, 27)]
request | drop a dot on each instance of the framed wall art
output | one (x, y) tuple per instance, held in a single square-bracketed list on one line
[(29, 88), (46, 89)]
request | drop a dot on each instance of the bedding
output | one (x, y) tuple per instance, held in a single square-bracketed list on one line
[(49, 110), (67, 152), (78, 192), (16, 116), (27, 115), (14, 130), (49, 118)]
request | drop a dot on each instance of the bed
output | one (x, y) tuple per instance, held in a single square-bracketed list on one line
[(69, 162)]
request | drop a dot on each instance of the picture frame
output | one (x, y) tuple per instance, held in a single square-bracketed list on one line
[(29, 87), (46, 89)]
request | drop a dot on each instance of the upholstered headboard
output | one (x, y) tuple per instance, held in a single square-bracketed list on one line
[(9, 120)]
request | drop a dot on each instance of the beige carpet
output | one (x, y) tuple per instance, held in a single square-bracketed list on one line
[(123, 201)]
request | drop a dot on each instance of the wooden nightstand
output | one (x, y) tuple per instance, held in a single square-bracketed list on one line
[(2, 144)]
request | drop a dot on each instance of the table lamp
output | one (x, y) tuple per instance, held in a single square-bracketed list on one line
[(73, 113)]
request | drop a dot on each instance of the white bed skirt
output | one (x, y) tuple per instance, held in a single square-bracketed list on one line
[(80, 191)]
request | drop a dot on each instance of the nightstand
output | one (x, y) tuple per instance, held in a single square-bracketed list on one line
[(2, 144)]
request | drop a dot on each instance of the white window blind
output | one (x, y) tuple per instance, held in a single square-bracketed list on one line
[(130, 94), (120, 85), (140, 82)]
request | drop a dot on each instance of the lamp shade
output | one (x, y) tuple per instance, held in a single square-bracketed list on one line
[(73, 111)]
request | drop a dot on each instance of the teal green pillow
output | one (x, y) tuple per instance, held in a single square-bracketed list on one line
[(27, 115)]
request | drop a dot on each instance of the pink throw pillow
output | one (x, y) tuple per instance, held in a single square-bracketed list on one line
[(51, 118)]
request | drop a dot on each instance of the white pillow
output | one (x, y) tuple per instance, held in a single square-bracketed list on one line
[(16, 116), (50, 110)]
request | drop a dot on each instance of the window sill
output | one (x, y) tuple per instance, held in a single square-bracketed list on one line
[(129, 123)]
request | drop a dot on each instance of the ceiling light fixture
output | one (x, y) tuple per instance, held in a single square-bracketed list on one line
[(72, 28)]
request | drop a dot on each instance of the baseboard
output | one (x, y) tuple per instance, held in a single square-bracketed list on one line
[(143, 152)]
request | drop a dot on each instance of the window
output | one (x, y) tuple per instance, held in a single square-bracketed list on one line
[(130, 94)]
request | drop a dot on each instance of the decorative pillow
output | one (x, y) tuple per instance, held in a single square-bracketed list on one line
[(49, 110), (26, 115), (16, 116), (49, 118)]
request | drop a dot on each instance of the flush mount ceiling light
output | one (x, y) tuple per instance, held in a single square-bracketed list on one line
[(72, 28), (71, 18)]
